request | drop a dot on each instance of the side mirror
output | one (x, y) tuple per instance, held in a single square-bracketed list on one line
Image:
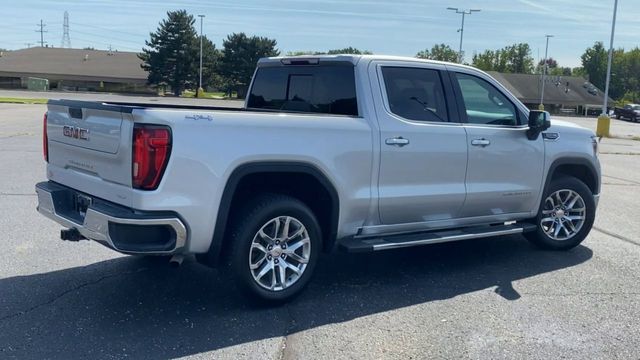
[(539, 121)]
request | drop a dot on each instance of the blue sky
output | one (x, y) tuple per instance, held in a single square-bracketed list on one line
[(399, 27)]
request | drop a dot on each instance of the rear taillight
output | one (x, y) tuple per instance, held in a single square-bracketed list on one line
[(151, 150), (45, 139)]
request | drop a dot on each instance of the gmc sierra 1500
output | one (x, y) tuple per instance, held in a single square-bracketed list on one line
[(362, 153)]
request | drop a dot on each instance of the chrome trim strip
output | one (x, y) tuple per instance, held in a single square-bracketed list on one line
[(396, 229), (390, 245), (96, 224)]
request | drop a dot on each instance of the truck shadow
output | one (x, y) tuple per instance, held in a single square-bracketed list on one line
[(132, 307)]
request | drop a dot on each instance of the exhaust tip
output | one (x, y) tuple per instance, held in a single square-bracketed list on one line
[(176, 260)]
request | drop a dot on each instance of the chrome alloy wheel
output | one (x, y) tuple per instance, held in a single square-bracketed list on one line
[(563, 214), (279, 253)]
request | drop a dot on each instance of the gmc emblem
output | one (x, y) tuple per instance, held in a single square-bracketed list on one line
[(75, 132)]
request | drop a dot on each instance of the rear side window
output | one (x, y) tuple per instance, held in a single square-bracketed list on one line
[(415, 93), (326, 89)]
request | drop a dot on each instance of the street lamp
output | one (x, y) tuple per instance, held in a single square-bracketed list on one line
[(200, 82), (544, 72), (461, 30), (602, 127)]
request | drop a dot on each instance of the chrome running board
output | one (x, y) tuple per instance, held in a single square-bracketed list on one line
[(378, 243)]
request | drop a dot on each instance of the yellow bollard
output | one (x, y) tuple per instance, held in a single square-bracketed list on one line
[(200, 93), (541, 107), (603, 125)]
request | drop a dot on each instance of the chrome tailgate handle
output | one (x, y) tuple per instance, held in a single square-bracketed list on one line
[(397, 141)]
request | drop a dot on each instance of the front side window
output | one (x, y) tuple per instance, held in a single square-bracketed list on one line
[(484, 103), (327, 89), (415, 93)]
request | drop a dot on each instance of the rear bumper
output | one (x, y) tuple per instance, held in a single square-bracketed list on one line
[(120, 228)]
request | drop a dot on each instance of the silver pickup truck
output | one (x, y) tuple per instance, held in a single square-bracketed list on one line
[(358, 153)]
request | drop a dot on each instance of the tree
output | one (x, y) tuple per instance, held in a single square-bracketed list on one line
[(211, 58), (349, 51), (553, 68), (487, 60), (171, 56), (515, 58), (239, 58), (551, 64), (441, 52), (519, 58), (594, 63), (346, 51)]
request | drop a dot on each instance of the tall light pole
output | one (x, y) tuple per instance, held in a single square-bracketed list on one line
[(461, 30), (544, 72), (200, 82), (602, 127), (606, 86)]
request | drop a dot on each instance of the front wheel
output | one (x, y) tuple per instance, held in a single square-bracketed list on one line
[(565, 216), (275, 244)]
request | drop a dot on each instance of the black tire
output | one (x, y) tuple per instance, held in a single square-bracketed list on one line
[(618, 116), (245, 225), (540, 238)]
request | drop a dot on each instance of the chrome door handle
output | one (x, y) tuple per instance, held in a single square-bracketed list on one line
[(397, 141), (480, 142)]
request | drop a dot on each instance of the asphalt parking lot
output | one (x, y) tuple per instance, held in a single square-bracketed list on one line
[(496, 298)]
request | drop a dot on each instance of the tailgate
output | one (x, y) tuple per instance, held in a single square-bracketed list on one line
[(90, 146)]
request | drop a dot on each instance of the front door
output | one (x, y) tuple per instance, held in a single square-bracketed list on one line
[(505, 170), (423, 147)]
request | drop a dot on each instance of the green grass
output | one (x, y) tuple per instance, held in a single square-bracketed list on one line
[(207, 95), (22, 100)]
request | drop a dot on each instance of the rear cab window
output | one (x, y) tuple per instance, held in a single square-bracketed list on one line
[(325, 88), (415, 93)]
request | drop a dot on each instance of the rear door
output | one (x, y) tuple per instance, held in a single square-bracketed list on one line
[(505, 169), (423, 153)]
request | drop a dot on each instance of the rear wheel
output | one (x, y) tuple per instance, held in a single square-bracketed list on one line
[(274, 247), (566, 215)]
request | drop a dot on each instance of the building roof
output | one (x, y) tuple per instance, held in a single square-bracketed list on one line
[(75, 64), (565, 90)]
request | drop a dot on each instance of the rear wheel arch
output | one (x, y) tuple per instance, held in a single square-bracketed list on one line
[(301, 180)]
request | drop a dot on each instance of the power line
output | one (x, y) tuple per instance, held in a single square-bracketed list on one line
[(91, 42), (108, 29), (41, 31), (106, 37)]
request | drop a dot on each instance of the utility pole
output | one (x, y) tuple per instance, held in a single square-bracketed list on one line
[(41, 31), (28, 45), (544, 72), (200, 82), (66, 40), (604, 122), (461, 30)]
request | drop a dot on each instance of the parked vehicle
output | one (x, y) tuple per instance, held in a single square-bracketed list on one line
[(359, 153), (629, 111)]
